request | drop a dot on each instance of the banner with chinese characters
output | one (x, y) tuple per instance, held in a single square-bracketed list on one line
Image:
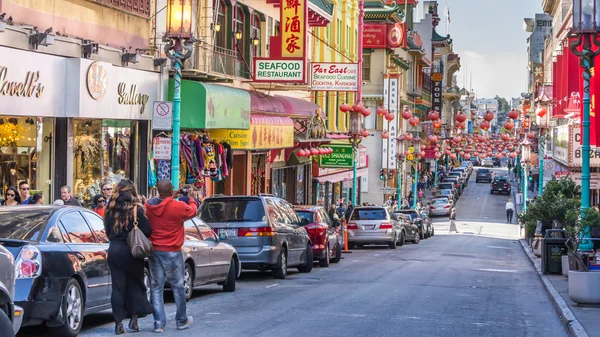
[(293, 28)]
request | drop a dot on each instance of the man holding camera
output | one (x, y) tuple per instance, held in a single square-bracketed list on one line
[(166, 217)]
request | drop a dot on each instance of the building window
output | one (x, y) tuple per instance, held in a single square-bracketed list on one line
[(366, 66), (238, 26), (221, 8), (255, 34), (339, 33), (277, 28)]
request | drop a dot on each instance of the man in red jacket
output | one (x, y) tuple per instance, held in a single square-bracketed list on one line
[(166, 216)]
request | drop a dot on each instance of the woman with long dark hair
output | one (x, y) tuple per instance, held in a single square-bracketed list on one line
[(12, 197), (128, 297)]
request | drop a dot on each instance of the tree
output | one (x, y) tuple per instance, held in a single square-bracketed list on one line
[(503, 105)]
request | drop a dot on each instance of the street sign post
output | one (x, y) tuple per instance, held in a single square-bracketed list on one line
[(162, 116)]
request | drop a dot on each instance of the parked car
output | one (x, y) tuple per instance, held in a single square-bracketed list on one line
[(500, 184), (456, 181), (448, 186), (411, 229), (474, 161), (487, 162), (440, 206), (325, 236), (497, 162), (265, 231), (208, 259), (462, 180), (444, 193), (484, 175), (374, 225), (10, 315), (417, 220)]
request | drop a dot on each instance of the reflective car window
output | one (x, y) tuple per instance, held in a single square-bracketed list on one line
[(24, 225), (232, 210), (191, 233), (97, 225), (76, 228), (208, 234), (308, 215), (369, 214)]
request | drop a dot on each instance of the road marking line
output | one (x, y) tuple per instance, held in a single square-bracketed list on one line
[(376, 255), (354, 260), (498, 247), (272, 285), (499, 270), (213, 313)]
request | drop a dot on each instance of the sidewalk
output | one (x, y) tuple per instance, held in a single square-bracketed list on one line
[(580, 321)]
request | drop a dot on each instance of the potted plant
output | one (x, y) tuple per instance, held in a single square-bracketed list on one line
[(584, 286)]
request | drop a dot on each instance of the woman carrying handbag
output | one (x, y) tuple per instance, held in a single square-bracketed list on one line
[(125, 216)]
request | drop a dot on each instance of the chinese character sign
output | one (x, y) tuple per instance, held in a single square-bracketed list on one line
[(293, 28)]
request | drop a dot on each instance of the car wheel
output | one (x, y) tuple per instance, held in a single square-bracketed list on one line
[(280, 271), (402, 239), (338, 253), (148, 284), (417, 239), (188, 283), (6, 327), (432, 231), (421, 235), (308, 266), (72, 311), (229, 285), (393, 244), (324, 262)]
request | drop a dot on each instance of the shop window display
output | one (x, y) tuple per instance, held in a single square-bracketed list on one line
[(102, 151), (21, 143)]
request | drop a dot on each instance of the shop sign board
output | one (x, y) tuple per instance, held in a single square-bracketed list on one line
[(334, 76), (162, 116), (388, 159), (576, 177), (161, 146), (381, 35), (342, 157), (293, 27), (279, 70), (436, 92), (32, 83), (260, 136), (567, 149)]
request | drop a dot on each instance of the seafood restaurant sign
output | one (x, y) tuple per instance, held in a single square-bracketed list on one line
[(334, 76)]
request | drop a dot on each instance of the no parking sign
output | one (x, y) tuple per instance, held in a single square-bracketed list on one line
[(162, 116)]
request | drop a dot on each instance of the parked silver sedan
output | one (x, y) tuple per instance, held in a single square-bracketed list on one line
[(440, 206), (374, 225)]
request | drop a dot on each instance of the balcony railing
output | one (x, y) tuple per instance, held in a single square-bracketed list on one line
[(218, 61), (414, 91)]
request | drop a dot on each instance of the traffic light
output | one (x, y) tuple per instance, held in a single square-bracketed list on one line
[(382, 175)]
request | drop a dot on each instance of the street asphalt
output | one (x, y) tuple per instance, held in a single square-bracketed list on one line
[(474, 283)]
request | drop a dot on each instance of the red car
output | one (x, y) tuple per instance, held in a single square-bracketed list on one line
[(324, 235)]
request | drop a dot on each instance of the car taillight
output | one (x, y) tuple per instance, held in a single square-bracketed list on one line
[(315, 229), (385, 225), (431, 207), (257, 231), (505, 185), (28, 263), (448, 206), (352, 226)]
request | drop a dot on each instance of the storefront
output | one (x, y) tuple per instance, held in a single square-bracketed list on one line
[(111, 109), (215, 139)]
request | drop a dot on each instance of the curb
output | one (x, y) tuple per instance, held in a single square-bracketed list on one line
[(572, 325)]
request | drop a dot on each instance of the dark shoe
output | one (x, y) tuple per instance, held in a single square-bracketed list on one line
[(119, 329), (133, 324)]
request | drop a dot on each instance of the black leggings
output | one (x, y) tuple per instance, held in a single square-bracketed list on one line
[(509, 215)]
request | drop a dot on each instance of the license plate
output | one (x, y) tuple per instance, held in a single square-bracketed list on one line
[(369, 226), (229, 232)]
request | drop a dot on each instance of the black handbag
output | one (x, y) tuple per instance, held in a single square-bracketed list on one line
[(138, 243)]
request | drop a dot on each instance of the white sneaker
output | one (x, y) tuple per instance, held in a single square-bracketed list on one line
[(187, 323)]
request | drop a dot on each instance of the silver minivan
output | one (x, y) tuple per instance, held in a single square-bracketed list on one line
[(265, 231), (374, 225)]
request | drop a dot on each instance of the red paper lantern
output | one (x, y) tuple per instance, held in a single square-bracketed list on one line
[(433, 115), (541, 112), (513, 155), (453, 156), (357, 107), (414, 121), (406, 113), (531, 135), (498, 155), (437, 123), (314, 151), (381, 111), (461, 117), (505, 137), (385, 135), (408, 136), (484, 125), (422, 154), (322, 151), (438, 155), (300, 153), (344, 107), (508, 125), (366, 112), (488, 116), (433, 138), (390, 116), (513, 114), (365, 133), (457, 139), (461, 125)]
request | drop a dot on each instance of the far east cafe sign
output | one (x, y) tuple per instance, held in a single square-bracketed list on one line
[(287, 61)]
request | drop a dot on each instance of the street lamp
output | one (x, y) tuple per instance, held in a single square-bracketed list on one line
[(178, 47), (356, 135), (525, 156), (238, 35), (416, 160)]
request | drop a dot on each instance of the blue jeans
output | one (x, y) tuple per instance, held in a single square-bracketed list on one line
[(167, 266)]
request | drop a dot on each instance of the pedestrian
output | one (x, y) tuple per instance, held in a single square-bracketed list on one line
[(349, 210), (389, 201), (12, 197), (25, 197), (341, 211), (510, 209), (404, 204), (65, 195), (184, 191), (99, 206), (420, 193), (37, 199), (167, 216), (333, 216), (128, 297), (453, 221), (107, 191)]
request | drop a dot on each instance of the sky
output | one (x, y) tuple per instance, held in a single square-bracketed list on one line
[(488, 36)]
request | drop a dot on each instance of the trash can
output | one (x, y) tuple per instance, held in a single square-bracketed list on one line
[(553, 248)]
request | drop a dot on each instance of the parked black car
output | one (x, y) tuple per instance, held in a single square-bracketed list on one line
[(484, 175), (500, 185), (62, 270), (425, 227)]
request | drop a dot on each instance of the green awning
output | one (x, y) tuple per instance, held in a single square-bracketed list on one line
[(211, 106)]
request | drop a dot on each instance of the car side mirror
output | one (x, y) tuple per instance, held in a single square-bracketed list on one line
[(222, 236)]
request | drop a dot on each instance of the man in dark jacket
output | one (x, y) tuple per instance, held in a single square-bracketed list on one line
[(65, 195), (166, 217)]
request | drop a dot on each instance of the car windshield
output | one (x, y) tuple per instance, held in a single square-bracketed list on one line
[(369, 214), (440, 201), (484, 171), (500, 179), (448, 192), (446, 186), (308, 215), (23, 224), (232, 210)]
